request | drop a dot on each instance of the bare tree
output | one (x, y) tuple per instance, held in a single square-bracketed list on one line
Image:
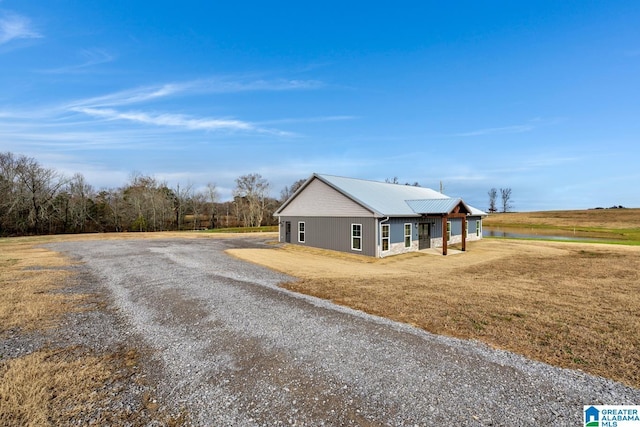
[(212, 199), (289, 191), (150, 204), (111, 205), (182, 200), (40, 186), (9, 193), (393, 180), (250, 196), (493, 197), (81, 196), (505, 193)]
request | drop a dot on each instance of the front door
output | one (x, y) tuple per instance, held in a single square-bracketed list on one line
[(287, 231), (424, 235)]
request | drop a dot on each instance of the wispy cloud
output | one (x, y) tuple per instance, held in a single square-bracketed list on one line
[(131, 96), (498, 130), (310, 119), (178, 120), (194, 87), (13, 26), (224, 85), (106, 106), (91, 57), (109, 121)]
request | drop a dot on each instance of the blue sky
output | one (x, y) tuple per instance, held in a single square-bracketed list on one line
[(542, 97)]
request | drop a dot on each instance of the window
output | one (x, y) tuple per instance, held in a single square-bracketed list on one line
[(385, 236), (448, 231), (356, 237), (301, 232), (478, 228), (407, 235), (466, 228)]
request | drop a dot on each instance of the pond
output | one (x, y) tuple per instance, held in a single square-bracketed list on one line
[(532, 233)]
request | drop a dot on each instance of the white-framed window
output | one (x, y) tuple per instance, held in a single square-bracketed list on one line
[(384, 232), (356, 237), (466, 228), (478, 228), (407, 235), (301, 232), (448, 231)]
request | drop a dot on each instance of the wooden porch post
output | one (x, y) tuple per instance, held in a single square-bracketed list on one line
[(464, 234), (444, 235)]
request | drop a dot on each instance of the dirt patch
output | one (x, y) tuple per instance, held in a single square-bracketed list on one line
[(570, 305)]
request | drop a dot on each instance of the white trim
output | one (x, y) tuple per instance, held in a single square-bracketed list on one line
[(466, 228), (302, 232), (449, 231), (404, 233), (356, 237), (382, 238), (478, 228)]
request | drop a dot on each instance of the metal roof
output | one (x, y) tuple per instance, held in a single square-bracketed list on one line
[(434, 206), (388, 199)]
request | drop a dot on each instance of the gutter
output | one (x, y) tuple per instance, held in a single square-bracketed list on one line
[(378, 242)]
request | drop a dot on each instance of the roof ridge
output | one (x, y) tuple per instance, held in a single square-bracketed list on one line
[(360, 179)]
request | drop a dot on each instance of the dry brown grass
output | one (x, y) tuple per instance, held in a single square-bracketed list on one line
[(27, 277), (567, 304), (56, 387), (47, 387)]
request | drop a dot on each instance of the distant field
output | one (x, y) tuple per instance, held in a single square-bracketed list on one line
[(622, 225)]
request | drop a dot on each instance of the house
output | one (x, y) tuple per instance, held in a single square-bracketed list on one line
[(375, 218)]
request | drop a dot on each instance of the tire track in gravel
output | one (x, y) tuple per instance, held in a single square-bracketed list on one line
[(232, 348)]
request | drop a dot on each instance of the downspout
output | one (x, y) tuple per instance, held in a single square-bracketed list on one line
[(379, 237)]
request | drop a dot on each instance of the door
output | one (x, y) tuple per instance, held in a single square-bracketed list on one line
[(424, 235), (287, 231)]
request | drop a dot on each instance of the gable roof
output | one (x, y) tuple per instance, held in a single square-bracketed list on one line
[(386, 199)]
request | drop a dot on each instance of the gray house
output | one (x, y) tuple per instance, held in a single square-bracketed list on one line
[(375, 218)]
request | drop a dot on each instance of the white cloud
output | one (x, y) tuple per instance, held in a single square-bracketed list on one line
[(310, 119), (193, 87), (131, 96), (14, 26), (177, 120), (498, 131), (91, 57), (237, 85)]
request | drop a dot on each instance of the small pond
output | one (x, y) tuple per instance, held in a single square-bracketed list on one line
[(532, 233)]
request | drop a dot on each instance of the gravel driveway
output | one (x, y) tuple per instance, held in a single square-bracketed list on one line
[(224, 343)]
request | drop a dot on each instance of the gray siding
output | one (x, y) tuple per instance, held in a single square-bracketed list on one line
[(456, 226), (319, 199), (396, 229), (472, 227), (332, 233)]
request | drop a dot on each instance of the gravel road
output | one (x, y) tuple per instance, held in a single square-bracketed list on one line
[(222, 342)]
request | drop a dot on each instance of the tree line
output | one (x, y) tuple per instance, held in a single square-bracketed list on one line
[(39, 200)]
